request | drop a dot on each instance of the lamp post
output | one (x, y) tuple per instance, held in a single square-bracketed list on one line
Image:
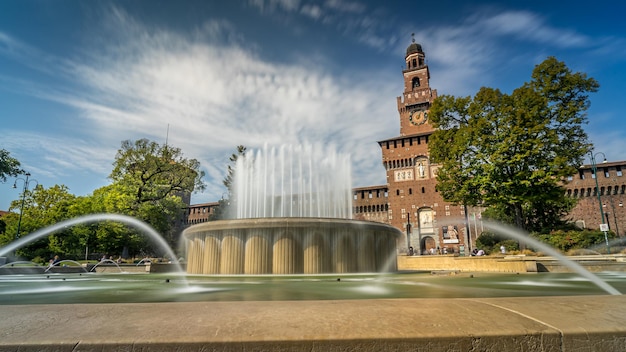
[(26, 183), (595, 175)]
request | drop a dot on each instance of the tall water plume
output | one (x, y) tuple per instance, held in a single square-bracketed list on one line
[(293, 181)]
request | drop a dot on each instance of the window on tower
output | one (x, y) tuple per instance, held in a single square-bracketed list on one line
[(415, 82)]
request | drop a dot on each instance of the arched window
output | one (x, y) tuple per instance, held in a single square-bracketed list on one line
[(415, 82)]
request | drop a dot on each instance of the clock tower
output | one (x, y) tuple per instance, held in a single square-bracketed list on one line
[(431, 225), (414, 104)]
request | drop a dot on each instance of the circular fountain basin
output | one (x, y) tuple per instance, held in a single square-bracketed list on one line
[(290, 246)]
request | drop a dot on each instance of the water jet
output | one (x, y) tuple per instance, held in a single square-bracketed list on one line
[(291, 214)]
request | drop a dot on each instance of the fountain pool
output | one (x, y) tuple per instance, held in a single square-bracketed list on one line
[(339, 311), (141, 288)]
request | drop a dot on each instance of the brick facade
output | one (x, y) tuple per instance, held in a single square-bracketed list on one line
[(611, 200), (371, 204), (199, 213)]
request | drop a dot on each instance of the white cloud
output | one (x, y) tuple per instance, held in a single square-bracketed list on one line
[(529, 26), (313, 11), (59, 156), (214, 97), (271, 6), (345, 6)]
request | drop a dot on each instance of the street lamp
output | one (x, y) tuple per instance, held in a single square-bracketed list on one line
[(595, 175), (26, 183)]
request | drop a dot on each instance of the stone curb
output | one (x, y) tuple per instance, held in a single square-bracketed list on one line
[(573, 323)]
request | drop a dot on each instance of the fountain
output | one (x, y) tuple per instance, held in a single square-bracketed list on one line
[(140, 225), (368, 312), (64, 263), (292, 210), (303, 227), (105, 262)]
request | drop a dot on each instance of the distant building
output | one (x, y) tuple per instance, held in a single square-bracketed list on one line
[(590, 206), (199, 213), (371, 204)]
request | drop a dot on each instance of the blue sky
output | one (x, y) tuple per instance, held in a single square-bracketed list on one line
[(79, 77)]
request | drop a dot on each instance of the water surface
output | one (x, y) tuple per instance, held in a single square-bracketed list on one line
[(136, 288)]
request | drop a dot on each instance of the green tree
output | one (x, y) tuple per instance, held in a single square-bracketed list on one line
[(9, 166), (152, 172), (150, 182), (221, 211), (43, 207), (513, 152), (228, 180)]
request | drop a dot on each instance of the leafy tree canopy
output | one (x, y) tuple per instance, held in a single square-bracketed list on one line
[(222, 210), (42, 207), (513, 152), (151, 172), (150, 182), (228, 180), (9, 166)]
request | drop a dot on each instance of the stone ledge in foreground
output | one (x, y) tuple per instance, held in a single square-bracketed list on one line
[(573, 323)]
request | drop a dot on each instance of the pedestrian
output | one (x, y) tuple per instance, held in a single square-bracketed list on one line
[(502, 249), (54, 261)]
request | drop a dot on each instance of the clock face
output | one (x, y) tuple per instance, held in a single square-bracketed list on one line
[(418, 117)]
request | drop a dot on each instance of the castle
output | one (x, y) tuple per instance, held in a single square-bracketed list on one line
[(410, 202)]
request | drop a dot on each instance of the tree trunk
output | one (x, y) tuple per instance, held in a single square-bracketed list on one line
[(519, 223)]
